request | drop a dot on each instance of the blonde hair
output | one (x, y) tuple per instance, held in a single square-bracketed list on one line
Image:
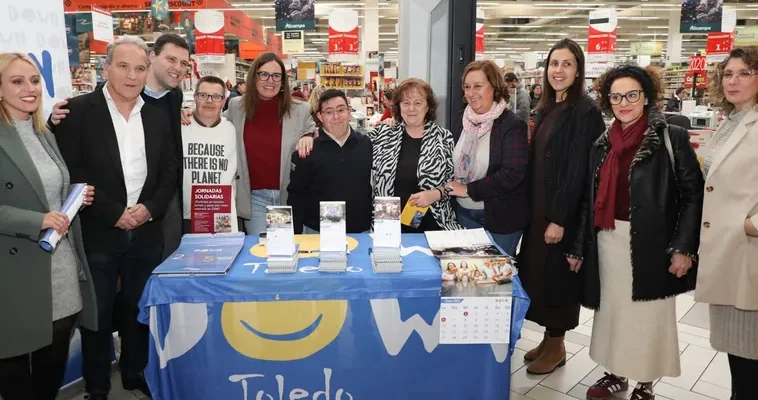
[(6, 59), (313, 99)]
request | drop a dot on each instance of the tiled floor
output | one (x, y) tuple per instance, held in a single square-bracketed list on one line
[(705, 373)]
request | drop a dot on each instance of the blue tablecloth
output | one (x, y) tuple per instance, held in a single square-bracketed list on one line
[(253, 335)]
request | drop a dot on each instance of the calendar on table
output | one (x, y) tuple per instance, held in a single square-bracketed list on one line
[(475, 320)]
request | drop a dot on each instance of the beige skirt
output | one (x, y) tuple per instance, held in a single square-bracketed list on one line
[(633, 339)]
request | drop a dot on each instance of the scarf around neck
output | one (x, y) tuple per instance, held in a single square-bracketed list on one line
[(622, 141), (474, 127)]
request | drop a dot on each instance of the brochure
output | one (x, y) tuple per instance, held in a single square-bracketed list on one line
[(50, 238), (280, 231), (387, 222), (413, 215), (203, 254), (333, 227), (461, 243)]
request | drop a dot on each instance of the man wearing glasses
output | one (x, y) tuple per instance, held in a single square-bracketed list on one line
[(337, 169), (209, 151)]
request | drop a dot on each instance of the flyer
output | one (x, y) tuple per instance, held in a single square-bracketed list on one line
[(211, 209), (387, 222)]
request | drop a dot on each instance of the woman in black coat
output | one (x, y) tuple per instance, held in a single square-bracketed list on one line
[(567, 124), (641, 234)]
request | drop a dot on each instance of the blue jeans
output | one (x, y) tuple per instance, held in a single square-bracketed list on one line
[(474, 219), (259, 200)]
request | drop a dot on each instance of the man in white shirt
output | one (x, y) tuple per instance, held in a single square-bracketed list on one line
[(110, 141), (210, 162)]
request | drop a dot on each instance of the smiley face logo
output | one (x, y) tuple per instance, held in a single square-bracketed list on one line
[(284, 330)]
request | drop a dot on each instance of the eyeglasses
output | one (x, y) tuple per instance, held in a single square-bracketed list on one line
[(213, 97), (263, 75), (631, 96), (742, 76), (332, 112)]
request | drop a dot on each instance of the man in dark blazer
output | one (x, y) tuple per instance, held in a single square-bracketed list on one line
[(112, 142)]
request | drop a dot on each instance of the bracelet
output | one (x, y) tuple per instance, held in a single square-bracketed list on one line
[(442, 193)]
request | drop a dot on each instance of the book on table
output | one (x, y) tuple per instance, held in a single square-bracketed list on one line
[(332, 237), (281, 250), (385, 253), (203, 254)]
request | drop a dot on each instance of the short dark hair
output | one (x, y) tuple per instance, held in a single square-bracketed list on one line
[(680, 89), (405, 88), (648, 79), (331, 94), (212, 80), (576, 91), (171, 38), (510, 77)]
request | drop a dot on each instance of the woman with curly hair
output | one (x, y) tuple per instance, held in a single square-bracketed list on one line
[(728, 276), (640, 236)]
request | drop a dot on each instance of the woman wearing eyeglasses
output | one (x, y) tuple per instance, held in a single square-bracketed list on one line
[(268, 122), (641, 226), (728, 276), (210, 151)]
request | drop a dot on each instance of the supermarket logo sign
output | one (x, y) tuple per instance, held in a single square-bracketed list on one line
[(294, 26)]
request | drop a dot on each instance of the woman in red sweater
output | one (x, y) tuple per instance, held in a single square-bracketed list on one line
[(268, 122)]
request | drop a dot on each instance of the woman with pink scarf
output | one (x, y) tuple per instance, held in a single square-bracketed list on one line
[(490, 157)]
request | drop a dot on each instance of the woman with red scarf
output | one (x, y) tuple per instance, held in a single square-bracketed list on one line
[(641, 235)]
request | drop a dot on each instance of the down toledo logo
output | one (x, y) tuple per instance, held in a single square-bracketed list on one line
[(282, 331)]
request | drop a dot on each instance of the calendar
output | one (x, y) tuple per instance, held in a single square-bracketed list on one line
[(475, 320)]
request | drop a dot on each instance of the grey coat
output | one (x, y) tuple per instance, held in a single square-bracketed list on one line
[(26, 311), (294, 126)]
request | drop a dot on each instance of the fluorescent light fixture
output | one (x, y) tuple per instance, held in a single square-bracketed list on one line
[(652, 34), (517, 26), (569, 4), (638, 18), (657, 27)]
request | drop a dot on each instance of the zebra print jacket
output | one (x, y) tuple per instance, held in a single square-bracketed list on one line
[(435, 166)]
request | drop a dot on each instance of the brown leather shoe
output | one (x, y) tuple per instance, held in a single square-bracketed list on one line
[(534, 353), (553, 357)]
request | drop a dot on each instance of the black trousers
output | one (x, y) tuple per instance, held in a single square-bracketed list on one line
[(134, 260), (38, 375), (744, 373)]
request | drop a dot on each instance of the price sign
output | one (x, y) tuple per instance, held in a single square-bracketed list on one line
[(702, 80), (719, 45), (697, 64)]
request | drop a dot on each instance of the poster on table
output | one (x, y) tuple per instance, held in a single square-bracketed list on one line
[(343, 32), (479, 31), (601, 43), (209, 37), (211, 209), (295, 14), (701, 16)]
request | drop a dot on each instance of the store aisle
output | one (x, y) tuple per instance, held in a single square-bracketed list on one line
[(705, 373)]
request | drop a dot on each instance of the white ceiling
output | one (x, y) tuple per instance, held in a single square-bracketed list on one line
[(513, 27)]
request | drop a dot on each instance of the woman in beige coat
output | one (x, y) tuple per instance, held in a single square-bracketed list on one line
[(728, 275)]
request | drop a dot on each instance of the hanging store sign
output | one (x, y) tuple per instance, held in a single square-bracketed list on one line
[(209, 37), (479, 31), (601, 44), (701, 16), (343, 32), (293, 42), (718, 46), (746, 36), (295, 15), (647, 48)]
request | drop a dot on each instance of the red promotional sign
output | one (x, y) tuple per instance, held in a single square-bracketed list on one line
[(719, 43), (480, 40), (209, 37), (211, 209), (343, 42), (601, 39), (702, 79), (697, 64)]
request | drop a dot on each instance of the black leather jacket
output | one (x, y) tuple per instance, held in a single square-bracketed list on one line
[(665, 215)]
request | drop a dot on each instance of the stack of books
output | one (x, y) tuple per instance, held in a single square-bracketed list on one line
[(282, 253), (385, 255), (332, 237)]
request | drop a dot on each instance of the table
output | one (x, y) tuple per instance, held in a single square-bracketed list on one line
[(320, 336)]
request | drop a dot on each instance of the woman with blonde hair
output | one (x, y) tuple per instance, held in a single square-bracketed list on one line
[(313, 100), (43, 293), (728, 275)]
